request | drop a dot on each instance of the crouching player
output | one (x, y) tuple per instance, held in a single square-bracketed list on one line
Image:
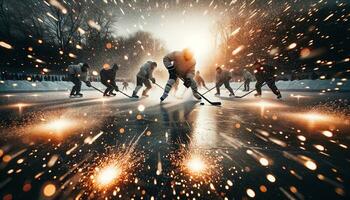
[(143, 78), (180, 64)]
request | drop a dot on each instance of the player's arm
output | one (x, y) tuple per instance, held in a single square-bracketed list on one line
[(168, 61)]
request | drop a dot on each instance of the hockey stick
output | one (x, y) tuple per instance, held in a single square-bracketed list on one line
[(103, 92), (124, 94), (246, 94), (209, 90), (120, 91), (239, 87), (97, 89), (214, 103), (158, 86), (162, 88)]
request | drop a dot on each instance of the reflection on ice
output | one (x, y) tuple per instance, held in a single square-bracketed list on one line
[(205, 128)]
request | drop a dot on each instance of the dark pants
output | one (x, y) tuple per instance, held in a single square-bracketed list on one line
[(226, 84), (246, 85), (140, 82), (77, 85), (110, 87), (270, 83)]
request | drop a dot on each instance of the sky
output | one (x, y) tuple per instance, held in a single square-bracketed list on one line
[(190, 23), (176, 28)]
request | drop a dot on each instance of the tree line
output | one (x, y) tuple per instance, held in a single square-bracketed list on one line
[(296, 38), (51, 34)]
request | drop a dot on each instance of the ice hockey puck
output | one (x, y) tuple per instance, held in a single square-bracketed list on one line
[(202, 104)]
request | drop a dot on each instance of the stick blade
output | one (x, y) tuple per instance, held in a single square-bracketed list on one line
[(125, 94), (216, 103)]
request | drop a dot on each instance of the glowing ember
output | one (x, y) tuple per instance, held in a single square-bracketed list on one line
[(59, 125), (141, 108), (229, 182), (301, 138), (327, 133), (314, 118), (5, 45), (57, 128), (319, 147), (196, 164), (271, 178), (310, 165), (49, 190), (292, 46), (108, 175), (95, 73), (250, 193), (264, 161), (72, 55), (237, 50)]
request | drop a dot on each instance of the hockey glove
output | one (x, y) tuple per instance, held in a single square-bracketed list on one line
[(88, 83), (153, 80), (187, 82), (116, 88)]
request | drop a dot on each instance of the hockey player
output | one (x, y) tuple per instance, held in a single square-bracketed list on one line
[(247, 77), (107, 75), (199, 80), (125, 85), (265, 74), (223, 77), (180, 64), (143, 78), (77, 74)]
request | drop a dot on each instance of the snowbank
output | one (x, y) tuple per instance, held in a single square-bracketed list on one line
[(26, 86), (303, 85), (312, 85), (297, 85)]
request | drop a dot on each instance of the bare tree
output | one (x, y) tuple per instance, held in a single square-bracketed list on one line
[(5, 20), (101, 15)]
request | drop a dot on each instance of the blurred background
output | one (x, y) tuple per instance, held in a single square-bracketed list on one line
[(305, 39)]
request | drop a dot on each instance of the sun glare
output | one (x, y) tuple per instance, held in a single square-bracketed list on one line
[(193, 33)]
